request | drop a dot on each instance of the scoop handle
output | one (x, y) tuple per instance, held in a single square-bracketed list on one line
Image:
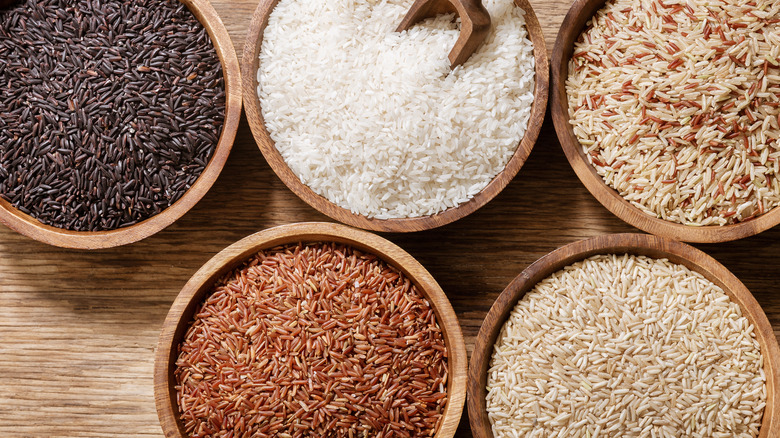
[(474, 19)]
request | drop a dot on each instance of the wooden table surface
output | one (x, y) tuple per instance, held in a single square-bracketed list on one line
[(78, 329)]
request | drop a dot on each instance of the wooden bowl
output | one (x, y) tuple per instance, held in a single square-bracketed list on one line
[(197, 288), (31, 227), (250, 64), (637, 244), (573, 25)]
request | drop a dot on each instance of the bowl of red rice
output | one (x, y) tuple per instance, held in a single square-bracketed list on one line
[(311, 329), (669, 113), (625, 335)]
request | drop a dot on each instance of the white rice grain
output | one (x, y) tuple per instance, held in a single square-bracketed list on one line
[(375, 121)]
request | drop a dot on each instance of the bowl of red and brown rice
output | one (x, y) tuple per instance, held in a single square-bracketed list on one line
[(669, 113), (311, 329), (625, 335)]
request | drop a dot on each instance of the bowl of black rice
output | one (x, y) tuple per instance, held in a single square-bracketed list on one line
[(115, 117)]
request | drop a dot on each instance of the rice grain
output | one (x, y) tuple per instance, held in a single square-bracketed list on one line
[(375, 121), (677, 106), (316, 340), (626, 346)]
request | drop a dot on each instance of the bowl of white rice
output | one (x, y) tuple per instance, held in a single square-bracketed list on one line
[(669, 112), (372, 127), (627, 335)]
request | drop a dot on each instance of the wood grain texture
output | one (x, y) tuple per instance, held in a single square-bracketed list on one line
[(196, 289), (474, 18), (27, 225), (78, 329), (578, 15), (274, 158), (636, 244)]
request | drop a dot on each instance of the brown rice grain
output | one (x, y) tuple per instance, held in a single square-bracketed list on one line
[(626, 346)]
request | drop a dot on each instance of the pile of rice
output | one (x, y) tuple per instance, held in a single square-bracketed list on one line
[(375, 121), (677, 105), (626, 346)]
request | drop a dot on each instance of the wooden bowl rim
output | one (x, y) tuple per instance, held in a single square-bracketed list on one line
[(637, 244), (580, 12), (195, 290), (32, 228), (250, 64)]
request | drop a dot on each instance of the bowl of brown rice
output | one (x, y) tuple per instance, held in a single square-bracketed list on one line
[(625, 335), (311, 329), (373, 128), (669, 112)]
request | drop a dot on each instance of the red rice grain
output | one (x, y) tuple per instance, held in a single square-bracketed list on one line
[(317, 340)]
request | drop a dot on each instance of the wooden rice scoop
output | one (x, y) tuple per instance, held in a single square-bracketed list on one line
[(474, 18)]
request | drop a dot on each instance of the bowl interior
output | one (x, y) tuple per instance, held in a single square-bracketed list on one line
[(573, 25), (636, 244), (31, 227), (197, 288), (250, 65)]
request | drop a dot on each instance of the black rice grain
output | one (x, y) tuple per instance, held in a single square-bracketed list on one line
[(109, 110)]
